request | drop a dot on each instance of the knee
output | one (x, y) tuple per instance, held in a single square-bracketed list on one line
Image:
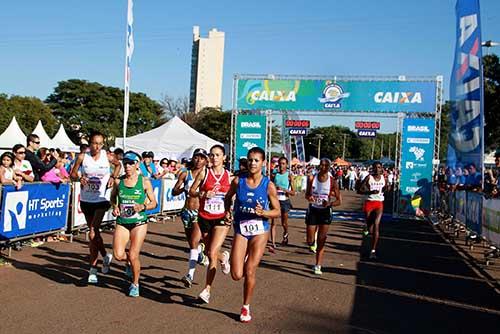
[(133, 257), (213, 255), (236, 276), (249, 272), (120, 256)]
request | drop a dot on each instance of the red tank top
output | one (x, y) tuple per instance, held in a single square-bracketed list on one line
[(213, 208)]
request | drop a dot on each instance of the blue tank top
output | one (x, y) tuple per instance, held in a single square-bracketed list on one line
[(246, 199), (282, 180)]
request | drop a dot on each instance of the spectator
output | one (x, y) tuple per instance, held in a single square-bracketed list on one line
[(352, 176), (22, 167), (7, 174), (39, 167), (243, 163), (147, 166)]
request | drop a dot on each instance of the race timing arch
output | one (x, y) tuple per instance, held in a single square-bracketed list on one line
[(415, 102)]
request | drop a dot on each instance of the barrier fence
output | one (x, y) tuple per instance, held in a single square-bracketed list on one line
[(42, 208), (474, 210)]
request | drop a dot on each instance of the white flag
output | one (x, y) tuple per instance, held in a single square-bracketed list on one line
[(129, 52)]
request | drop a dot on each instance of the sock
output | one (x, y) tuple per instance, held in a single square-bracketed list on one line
[(373, 250), (247, 306), (193, 259), (199, 248)]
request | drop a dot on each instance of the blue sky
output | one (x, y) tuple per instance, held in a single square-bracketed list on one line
[(43, 42)]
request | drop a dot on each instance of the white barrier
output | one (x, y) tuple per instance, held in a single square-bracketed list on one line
[(170, 202), (491, 220)]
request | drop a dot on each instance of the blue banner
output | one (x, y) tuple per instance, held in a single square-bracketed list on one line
[(157, 190), (417, 153), (474, 211), (299, 145), (33, 209), (465, 143), (461, 206), (250, 133)]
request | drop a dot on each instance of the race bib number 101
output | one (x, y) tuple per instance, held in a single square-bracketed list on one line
[(252, 227)]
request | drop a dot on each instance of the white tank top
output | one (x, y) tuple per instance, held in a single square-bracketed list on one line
[(321, 191), (376, 185), (97, 172), (8, 174)]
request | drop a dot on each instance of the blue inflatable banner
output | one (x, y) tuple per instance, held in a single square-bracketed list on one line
[(250, 133), (474, 211), (417, 153), (157, 189), (465, 142), (33, 209)]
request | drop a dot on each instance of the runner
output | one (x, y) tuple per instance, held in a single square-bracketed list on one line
[(253, 193), (189, 214), (374, 186), (321, 189), (284, 185), (132, 195), (95, 179), (211, 186)]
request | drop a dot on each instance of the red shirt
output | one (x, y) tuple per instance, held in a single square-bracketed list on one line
[(213, 208)]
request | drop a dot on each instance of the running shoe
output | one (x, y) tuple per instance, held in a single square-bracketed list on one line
[(245, 315), (92, 279), (373, 255), (317, 270), (128, 271), (133, 291), (313, 247), (106, 262), (205, 295), (202, 260), (225, 266), (365, 232), (187, 280), (285, 240)]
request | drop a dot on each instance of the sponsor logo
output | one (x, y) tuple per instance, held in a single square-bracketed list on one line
[(398, 97), (272, 95), (250, 136), (418, 128), (16, 207), (249, 145), (418, 152), (298, 132), (332, 95), (418, 140), (415, 177), (411, 189), (409, 165), (254, 125), (367, 133)]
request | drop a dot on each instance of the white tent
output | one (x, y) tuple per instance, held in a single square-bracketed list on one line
[(45, 140), (314, 161), (62, 141), (174, 140), (12, 135)]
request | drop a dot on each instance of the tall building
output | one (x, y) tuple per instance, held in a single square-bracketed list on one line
[(206, 70)]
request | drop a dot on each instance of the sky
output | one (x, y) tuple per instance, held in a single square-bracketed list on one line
[(44, 42)]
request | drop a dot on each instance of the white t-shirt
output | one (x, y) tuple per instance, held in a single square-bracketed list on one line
[(25, 167), (97, 172)]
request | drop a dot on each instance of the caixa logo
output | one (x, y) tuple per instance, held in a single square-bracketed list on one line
[(15, 210), (398, 97), (254, 125)]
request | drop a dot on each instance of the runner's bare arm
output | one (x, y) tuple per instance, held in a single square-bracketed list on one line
[(151, 198), (193, 191), (335, 192), (178, 188), (228, 199), (309, 188), (290, 192), (113, 199), (364, 189), (275, 212), (74, 171), (116, 171)]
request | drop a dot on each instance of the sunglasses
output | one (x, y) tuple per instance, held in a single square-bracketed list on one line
[(128, 162), (36, 142), (21, 152)]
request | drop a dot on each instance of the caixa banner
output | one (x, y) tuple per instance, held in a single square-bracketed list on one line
[(250, 133), (33, 209), (330, 95)]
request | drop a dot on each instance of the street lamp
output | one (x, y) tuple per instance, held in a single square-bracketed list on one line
[(319, 137), (489, 44)]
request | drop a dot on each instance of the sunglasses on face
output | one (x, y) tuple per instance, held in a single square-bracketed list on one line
[(128, 162), (36, 142), (21, 152)]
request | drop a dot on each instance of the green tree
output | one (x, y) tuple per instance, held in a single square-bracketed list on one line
[(84, 106), (491, 68), (214, 123), (28, 111)]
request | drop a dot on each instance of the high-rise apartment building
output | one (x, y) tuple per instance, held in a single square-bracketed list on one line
[(207, 63)]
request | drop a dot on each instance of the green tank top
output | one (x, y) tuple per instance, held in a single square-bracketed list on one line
[(127, 197)]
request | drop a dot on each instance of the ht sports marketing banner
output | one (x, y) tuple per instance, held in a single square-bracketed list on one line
[(250, 133), (417, 153), (33, 209), (330, 95), (465, 142)]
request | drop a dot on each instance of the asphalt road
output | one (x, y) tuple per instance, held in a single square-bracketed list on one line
[(420, 284)]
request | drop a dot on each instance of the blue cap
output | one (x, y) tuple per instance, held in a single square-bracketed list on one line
[(131, 156)]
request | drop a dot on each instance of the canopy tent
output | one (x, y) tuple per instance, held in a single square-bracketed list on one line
[(295, 161), (45, 140), (341, 162), (12, 135), (62, 141), (173, 140), (314, 162)]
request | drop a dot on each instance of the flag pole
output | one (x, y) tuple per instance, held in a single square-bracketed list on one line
[(129, 50)]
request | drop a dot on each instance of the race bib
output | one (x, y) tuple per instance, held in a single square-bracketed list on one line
[(281, 195), (318, 199), (93, 185), (215, 205), (127, 210), (252, 227)]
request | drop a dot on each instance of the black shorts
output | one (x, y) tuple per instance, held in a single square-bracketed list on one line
[(207, 224), (285, 206), (89, 208), (131, 226), (317, 216)]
